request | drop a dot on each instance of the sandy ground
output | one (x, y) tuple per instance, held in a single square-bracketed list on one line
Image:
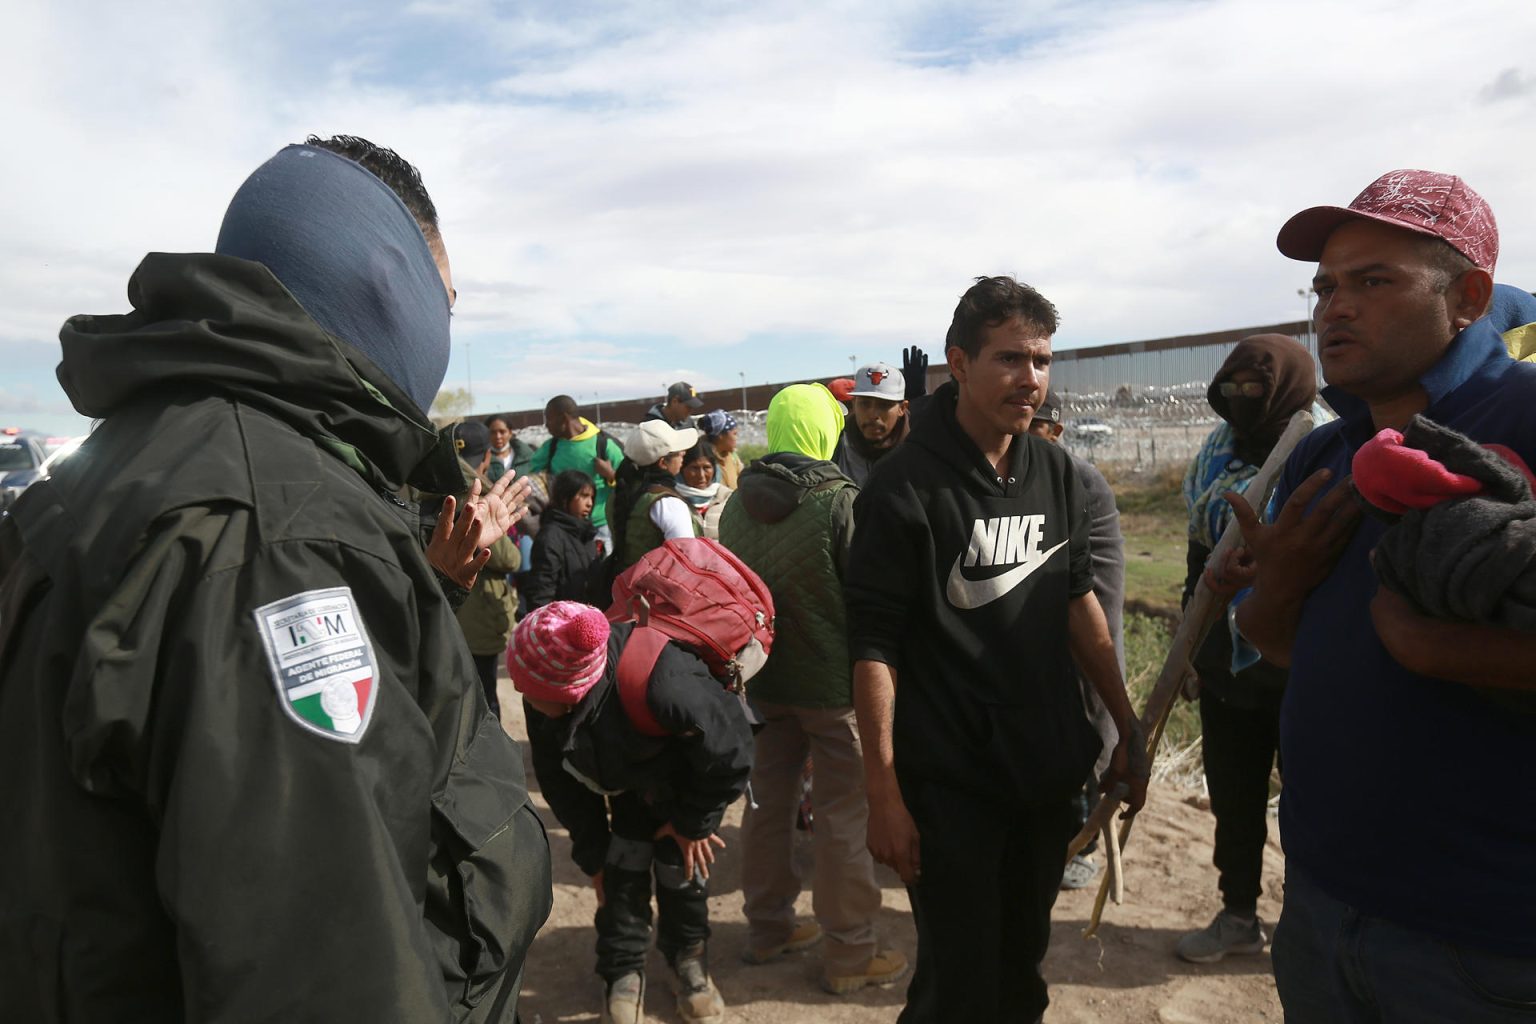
[(1129, 973)]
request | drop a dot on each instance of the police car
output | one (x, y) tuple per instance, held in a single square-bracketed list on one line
[(1088, 430), (23, 461)]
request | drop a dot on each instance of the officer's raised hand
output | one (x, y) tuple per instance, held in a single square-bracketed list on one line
[(503, 505), (461, 541)]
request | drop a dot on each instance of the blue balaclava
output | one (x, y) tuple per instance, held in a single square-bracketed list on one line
[(347, 248)]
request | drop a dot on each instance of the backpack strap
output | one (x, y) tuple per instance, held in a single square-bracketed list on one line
[(603, 437), (637, 662)]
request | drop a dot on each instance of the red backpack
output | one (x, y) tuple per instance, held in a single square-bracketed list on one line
[(696, 592)]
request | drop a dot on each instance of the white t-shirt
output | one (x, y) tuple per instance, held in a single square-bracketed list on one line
[(672, 517)]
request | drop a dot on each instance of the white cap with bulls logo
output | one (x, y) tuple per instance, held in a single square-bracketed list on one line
[(879, 380)]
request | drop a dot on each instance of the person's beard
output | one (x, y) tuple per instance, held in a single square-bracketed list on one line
[(875, 449)]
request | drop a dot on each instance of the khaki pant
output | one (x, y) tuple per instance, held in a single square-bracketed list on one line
[(845, 895)]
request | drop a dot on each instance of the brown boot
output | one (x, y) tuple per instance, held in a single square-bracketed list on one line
[(805, 935), (883, 968), (624, 1002), (697, 997)]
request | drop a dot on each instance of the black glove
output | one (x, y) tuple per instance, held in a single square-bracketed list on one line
[(914, 369)]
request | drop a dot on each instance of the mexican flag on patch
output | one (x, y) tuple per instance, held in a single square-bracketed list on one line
[(338, 703)]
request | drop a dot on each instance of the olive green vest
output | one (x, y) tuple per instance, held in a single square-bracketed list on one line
[(809, 665), (641, 535)]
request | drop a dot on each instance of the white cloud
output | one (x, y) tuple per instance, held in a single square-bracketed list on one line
[(1509, 84), (707, 175), (586, 370)]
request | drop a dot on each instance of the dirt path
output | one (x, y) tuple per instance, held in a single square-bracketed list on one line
[(1128, 975)]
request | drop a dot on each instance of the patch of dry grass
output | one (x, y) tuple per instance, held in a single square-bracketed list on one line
[(1147, 639)]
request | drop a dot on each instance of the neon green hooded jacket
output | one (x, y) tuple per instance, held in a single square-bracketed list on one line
[(805, 418)]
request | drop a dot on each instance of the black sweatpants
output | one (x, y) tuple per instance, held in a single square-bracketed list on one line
[(624, 920), (1240, 744), (485, 668), (982, 906), (1083, 805)]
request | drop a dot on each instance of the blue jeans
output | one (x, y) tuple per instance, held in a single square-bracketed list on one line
[(1335, 965)]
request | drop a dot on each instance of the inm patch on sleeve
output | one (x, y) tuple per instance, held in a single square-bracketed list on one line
[(322, 662)]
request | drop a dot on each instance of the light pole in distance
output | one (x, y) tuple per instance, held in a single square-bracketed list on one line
[(1306, 301)]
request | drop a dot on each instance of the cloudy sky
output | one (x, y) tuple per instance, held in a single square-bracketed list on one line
[(633, 194)]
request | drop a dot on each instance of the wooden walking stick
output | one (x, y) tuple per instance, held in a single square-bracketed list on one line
[(1205, 608)]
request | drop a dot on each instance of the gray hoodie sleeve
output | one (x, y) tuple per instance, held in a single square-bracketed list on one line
[(1106, 548)]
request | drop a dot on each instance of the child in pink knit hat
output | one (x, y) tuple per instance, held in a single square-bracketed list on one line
[(558, 653), (635, 805)]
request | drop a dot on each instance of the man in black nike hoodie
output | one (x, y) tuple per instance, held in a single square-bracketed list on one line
[(970, 580)]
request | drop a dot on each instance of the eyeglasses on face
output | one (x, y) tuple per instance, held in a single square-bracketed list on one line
[(1247, 389)]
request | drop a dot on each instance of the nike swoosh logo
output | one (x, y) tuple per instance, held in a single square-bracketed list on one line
[(967, 594)]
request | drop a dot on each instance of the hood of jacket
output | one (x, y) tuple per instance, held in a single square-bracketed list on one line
[(774, 485), (804, 418), (1513, 314), (588, 429), (206, 325), (1290, 385)]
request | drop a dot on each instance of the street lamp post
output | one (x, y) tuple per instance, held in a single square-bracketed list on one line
[(598, 400), (743, 375), (1306, 301), (853, 365)]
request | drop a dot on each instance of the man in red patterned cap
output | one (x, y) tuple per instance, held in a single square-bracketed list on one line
[(664, 795), (1409, 894)]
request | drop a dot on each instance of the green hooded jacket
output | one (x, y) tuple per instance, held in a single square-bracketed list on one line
[(246, 770), (791, 521)]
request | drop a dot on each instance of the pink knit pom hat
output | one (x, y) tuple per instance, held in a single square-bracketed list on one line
[(559, 652)]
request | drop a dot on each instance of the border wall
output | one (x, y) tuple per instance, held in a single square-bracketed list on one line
[(1139, 405)]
